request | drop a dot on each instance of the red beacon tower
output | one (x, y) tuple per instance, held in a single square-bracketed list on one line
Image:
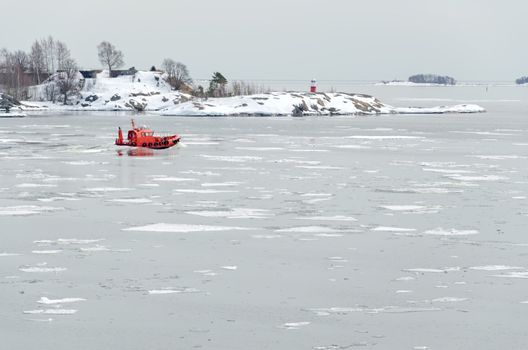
[(313, 86)]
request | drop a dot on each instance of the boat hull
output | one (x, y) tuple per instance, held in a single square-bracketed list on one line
[(161, 143)]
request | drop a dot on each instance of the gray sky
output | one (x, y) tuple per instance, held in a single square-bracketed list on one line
[(288, 39)]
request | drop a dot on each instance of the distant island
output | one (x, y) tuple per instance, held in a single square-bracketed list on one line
[(423, 79), (521, 81), (432, 79)]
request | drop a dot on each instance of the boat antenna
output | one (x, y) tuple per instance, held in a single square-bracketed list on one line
[(133, 124)]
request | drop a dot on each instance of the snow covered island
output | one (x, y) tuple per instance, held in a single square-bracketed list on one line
[(143, 91), (303, 103), (148, 91)]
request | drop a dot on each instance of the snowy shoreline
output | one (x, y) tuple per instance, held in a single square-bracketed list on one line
[(148, 92)]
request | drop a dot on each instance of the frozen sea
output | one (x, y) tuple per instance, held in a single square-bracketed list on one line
[(387, 232)]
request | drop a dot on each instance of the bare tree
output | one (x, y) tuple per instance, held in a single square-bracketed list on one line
[(110, 56), (67, 79), (181, 76), (243, 88), (62, 54), (14, 67), (168, 66), (4, 55), (177, 73), (36, 57), (51, 90), (48, 46)]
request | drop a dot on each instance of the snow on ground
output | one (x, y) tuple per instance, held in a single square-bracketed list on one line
[(148, 91), (284, 103), (144, 90), (303, 103)]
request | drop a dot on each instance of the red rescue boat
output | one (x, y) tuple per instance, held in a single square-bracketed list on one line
[(144, 137)]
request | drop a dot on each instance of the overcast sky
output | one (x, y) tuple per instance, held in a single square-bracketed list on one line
[(287, 39)]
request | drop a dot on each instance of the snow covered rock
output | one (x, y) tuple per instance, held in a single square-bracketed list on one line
[(7, 102), (301, 103), (11, 107), (283, 103)]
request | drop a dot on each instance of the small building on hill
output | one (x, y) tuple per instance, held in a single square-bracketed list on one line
[(90, 74), (120, 72)]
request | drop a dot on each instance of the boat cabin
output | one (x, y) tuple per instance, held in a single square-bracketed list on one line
[(140, 132)]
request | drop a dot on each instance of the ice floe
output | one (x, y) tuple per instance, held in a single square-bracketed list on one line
[(448, 171), (56, 251), (386, 309), (496, 268), (462, 108), (425, 190), (204, 191), (51, 312), (172, 179), (477, 178), (448, 300), (108, 189), (384, 137), (500, 157), (235, 213), (413, 209), (40, 269), (308, 229), (450, 232), (392, 229), (184, 228), (328, 218), (260, 149), (233, 159), (172, 291), (132, 200), (22, 210), (67, 241), (432, 270), (405, 278), (46, 301), (33, 185), (8, 254), (521, 274), (294, 325), (221, 184)]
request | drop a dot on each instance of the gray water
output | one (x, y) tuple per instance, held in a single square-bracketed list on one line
[(388, 232)]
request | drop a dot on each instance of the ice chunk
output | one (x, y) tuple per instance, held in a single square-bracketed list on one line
[(184, 228)]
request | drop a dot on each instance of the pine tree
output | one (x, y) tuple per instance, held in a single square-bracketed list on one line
[(217, 85)]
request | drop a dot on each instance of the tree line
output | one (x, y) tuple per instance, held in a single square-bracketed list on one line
[(49, 62), (522, 80), (432, 79), (20, 69)]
